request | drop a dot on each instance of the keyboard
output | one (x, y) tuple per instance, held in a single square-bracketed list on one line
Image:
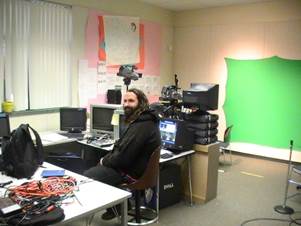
[(103, 142), (166, 155), (73, 135)]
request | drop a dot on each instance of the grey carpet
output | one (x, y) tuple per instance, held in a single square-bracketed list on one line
[(248, 189)]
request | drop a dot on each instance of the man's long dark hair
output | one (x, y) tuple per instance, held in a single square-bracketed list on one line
[(143, 103)]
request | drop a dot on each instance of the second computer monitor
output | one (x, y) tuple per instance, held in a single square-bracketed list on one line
[(73, 120), (101, 118)]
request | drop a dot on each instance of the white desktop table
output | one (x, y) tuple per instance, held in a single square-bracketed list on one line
[(91, 197), (184, 154), (49, 138)]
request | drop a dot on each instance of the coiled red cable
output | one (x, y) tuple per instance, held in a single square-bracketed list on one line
[(52, 186)]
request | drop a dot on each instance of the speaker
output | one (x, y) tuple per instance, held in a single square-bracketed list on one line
[(114, 96)]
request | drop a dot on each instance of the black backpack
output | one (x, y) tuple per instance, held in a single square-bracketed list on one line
[(21, 154)]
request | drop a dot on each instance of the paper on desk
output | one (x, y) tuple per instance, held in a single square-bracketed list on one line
[(52, 137), (115, 120), (163, 151), (108, 148)]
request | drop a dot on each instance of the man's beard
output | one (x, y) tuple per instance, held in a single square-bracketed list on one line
[(130, 113)]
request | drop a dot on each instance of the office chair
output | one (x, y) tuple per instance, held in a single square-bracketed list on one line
[(149, 179), (225, 143)]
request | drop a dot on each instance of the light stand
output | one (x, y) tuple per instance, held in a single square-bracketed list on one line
[(284, 209)]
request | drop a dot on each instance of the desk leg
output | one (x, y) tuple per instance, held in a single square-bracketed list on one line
[(189, 178), (124, 212)]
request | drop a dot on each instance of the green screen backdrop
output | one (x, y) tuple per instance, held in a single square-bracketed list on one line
[(263, 101)]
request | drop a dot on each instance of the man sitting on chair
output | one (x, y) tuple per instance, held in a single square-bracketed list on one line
[(131, 152)]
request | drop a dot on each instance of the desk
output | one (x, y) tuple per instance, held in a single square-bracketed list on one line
[(68, 153), (93, 196), (185, 154), (50, 138)]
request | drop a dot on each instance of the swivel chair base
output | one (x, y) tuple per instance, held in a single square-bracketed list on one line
[(148, 216)]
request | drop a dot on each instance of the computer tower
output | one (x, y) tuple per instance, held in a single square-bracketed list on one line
[(170, 189), (170, 185)]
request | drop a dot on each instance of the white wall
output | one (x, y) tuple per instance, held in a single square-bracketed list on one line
[(203, 38)]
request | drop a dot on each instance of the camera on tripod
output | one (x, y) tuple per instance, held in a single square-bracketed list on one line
[(171, 92), (128, 73)]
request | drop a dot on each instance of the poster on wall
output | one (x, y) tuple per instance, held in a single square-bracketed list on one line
[(263, 101), (141, 48), (121, 39)]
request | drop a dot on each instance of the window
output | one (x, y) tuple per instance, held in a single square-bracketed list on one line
[(35, 42)]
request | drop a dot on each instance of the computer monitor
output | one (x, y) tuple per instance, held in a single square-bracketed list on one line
[(4, 125), (73, 119), (101, 118), (175, 135), (202, 95), (120, 126)]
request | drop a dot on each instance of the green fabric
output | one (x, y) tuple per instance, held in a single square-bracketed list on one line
[(263, 101)]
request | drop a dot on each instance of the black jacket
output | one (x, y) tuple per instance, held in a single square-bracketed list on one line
[(132, 151)]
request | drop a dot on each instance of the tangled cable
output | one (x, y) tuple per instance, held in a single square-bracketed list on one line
[(52, 186), (39, 197)]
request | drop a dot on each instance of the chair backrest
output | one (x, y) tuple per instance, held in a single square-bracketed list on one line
[(150, 175), (227, 134)]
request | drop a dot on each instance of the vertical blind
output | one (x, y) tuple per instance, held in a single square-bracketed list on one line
[(35, 42)]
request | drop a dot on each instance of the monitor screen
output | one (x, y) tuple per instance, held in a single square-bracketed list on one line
[(168, 131), (175, 135), (101, 118), (73, 120), (4, 125)]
